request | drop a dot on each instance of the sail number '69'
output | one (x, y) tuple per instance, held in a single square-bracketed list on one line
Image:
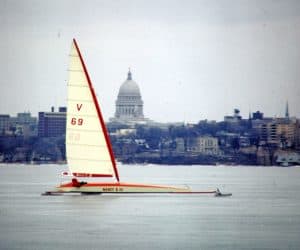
[(75, 121)]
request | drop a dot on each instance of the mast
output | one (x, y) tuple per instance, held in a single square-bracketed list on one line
[(108, 143)]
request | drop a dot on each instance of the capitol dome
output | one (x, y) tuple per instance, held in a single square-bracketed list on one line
[(129, 104), (129, 87)]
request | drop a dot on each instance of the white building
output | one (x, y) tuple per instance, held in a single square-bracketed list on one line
[(203, 145), (129, 104)]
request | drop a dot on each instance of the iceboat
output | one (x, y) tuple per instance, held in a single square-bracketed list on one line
[(88, 148)]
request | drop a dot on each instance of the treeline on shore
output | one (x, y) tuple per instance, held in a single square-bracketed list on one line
[(145, 144)]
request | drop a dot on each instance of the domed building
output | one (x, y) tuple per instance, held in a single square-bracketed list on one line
[(129, 104)]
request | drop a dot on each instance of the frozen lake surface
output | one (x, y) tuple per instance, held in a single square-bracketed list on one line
[(263, 213)]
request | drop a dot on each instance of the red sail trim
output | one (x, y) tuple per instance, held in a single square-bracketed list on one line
[(99, 113), (91, 175)]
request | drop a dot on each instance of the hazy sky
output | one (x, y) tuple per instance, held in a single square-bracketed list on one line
[(192, 59)]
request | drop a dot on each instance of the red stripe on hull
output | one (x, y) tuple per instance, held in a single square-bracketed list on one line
[(118, 184), (95, 184)]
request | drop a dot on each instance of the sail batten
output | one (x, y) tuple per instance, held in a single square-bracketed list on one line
[(93, 116), (87, 131), (76, 70), (78, 100), (85, 159), (87, 145), (77, 85), (87, 142)]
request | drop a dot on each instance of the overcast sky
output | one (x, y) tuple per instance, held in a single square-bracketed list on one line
[(192, 60)]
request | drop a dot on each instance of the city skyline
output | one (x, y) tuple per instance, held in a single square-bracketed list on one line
[(57, 109), (192, 61)]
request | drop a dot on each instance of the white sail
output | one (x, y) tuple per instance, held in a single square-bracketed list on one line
[(87, 144)]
